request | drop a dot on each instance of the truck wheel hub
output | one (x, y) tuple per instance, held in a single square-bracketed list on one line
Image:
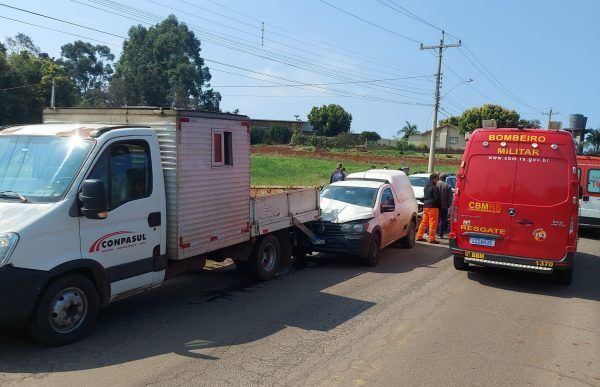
[(68, 310)]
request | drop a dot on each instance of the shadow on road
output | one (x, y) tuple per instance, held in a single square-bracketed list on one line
[(200, 315), (585, 283)]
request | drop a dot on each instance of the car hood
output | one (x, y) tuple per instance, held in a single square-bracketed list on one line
[(14, 216), (340, 212), (419, 192)]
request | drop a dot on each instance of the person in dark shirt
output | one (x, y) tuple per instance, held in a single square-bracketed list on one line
[(445, 204), (431, 210), (335, 172)]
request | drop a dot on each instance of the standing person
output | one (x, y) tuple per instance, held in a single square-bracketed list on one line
[(431, 210), (445, 204), (340, 176), (335, 172)]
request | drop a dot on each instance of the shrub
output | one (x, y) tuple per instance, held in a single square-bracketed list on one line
[(299, 139), (345, 140)]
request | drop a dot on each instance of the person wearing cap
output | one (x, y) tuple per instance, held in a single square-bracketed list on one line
[(335, 172)]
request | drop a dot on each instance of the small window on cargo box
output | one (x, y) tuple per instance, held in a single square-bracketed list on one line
[(228, 148), (222, 148)]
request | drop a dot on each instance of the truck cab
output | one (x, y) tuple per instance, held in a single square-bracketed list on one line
[(80, 200), (589, 182)]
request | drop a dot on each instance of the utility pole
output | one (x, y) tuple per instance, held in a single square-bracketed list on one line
[(549, 114), (52, 96), (436, 104)]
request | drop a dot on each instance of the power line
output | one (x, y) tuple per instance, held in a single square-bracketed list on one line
[(62, 32), (370, 22), (231, 43), (18, 87), (62, 21), (326, 84), (353, 53), (493, 79)]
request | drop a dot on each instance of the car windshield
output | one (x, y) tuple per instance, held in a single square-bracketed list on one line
[(417, 181), (39, 168), (358, 196)]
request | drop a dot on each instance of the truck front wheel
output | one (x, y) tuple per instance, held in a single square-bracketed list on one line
[(66, 311), (266, 258)]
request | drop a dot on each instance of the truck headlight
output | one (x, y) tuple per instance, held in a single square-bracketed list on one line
[(8, 242), (354, 228)]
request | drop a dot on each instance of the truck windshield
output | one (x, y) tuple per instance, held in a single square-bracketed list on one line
[(358, 196), (39, 168)]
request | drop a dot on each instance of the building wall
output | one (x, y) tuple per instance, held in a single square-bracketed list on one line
[(446, 137)]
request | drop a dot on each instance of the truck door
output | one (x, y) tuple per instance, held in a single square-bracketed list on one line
[(484, 197), (126, 240), (543, 203), (590, 201)]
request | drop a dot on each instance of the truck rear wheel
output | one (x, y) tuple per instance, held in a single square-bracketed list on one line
[(563, 277), (460, 264), (66, 311), (266, 258)]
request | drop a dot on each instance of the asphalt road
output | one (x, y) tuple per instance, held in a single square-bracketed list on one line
[(412, 320)]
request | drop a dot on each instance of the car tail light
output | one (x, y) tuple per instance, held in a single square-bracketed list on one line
[(572, 225)]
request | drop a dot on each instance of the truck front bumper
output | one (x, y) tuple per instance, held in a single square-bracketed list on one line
[(351, 244), (19, 292), (588, 221), (537, 265)]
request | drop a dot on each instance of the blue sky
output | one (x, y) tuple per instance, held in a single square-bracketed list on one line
[(534, 54)]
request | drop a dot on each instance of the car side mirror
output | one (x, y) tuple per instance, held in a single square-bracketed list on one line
[(94, 203), (388, 208)]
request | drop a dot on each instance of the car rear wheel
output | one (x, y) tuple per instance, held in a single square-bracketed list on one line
[(460, 264), (411, 234), (66, 311)]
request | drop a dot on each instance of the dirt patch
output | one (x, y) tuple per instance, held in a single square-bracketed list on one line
[(362, 157)]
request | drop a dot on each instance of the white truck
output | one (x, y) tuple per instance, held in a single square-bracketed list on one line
[(100, 204)]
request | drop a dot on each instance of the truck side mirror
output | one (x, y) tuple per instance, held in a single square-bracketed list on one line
[(580, 192), (94, 203)]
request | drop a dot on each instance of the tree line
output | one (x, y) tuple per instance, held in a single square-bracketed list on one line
[(159, 66)]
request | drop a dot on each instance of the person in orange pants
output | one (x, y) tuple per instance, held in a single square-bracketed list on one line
[(431, 210)]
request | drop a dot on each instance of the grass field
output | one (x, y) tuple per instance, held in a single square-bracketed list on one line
[(267, 170)]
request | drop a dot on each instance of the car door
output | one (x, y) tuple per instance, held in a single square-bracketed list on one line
[(389, 220), (125, 242)]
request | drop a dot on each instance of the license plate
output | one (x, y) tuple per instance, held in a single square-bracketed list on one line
[(474, 254), (482, 241), (319, 241)]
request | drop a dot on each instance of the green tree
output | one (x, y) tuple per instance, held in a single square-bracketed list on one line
[(370, 136), (162, 66), (471, 119), (21, 42), (533, 124), (593, 138), (26, 81), (279, 134), (90, 67), (330, 120), (408, 130)]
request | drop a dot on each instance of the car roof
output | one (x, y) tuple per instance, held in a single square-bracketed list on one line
[(61, 130), (358, 183)]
